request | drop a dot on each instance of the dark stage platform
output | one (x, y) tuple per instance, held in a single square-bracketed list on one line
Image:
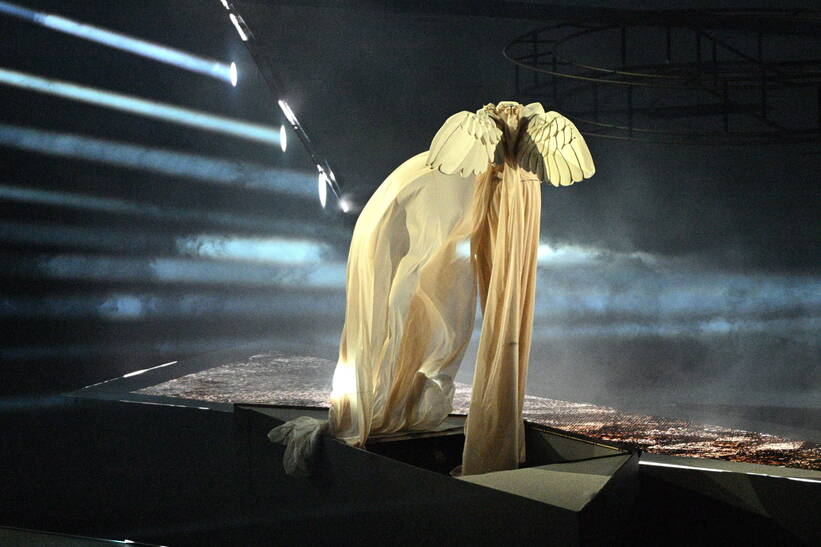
[(303, 380), (195, 431)]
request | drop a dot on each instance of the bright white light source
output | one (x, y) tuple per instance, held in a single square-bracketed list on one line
[(238, 27), (322, 187), (289, 114), (283, 138), (225, 4), (344, 381), (232, 70), (345, 205)]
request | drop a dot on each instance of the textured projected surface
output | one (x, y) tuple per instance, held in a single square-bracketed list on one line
[(278, 378)]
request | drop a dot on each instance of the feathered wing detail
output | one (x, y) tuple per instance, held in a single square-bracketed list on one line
[(465, 144), (554, 150)]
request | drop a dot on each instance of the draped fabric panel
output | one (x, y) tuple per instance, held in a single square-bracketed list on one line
[(505, 244), (421, 245), (411, 303)]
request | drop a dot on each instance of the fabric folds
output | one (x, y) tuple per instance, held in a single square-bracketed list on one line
[(410, 305), (505, 245), (421, 247)]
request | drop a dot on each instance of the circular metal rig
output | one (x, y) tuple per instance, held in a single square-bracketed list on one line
[(680, 77)]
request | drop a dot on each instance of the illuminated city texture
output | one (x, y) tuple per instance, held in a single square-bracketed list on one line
[(277, 378)]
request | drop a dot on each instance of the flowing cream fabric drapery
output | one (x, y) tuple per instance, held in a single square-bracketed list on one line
[(421, 245), (411, 303), (411, 285), (505, 244)]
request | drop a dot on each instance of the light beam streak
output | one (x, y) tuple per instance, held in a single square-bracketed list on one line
[(164, 270), (131, 306), (322, 187), (171, 348), (166, 162), (136, 46), (142, 107), (275, 250), (167, 214)]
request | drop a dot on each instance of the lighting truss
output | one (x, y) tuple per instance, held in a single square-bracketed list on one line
[(325, 173)]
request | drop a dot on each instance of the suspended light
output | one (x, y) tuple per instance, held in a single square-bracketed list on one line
[(237, 26), (283, 138), (289, 114), (345, 204), (322, 187), (224, 3), (233, 74), (136, 46)]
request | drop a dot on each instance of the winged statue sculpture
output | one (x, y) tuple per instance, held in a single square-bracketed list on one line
[(461, 215)]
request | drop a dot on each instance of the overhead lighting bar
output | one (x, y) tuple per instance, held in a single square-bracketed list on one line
[(143, 48), (142, 107), (326, 175)]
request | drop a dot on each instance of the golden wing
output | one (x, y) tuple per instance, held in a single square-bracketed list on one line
[(464, 144), (554, 150)]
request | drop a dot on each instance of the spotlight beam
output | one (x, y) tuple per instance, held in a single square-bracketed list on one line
[(142, 107), (327, 276), (169, 214), (287, 182), (136, 46)]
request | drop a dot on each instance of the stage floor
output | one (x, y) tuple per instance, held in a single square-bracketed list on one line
[(302, 380)]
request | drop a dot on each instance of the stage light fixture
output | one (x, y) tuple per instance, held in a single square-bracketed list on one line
[(345, 204), (322, 187), (283, 138), (225, 4), (233, 73), (143, 107), (237, 26), (136, 46), (289, 114)]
